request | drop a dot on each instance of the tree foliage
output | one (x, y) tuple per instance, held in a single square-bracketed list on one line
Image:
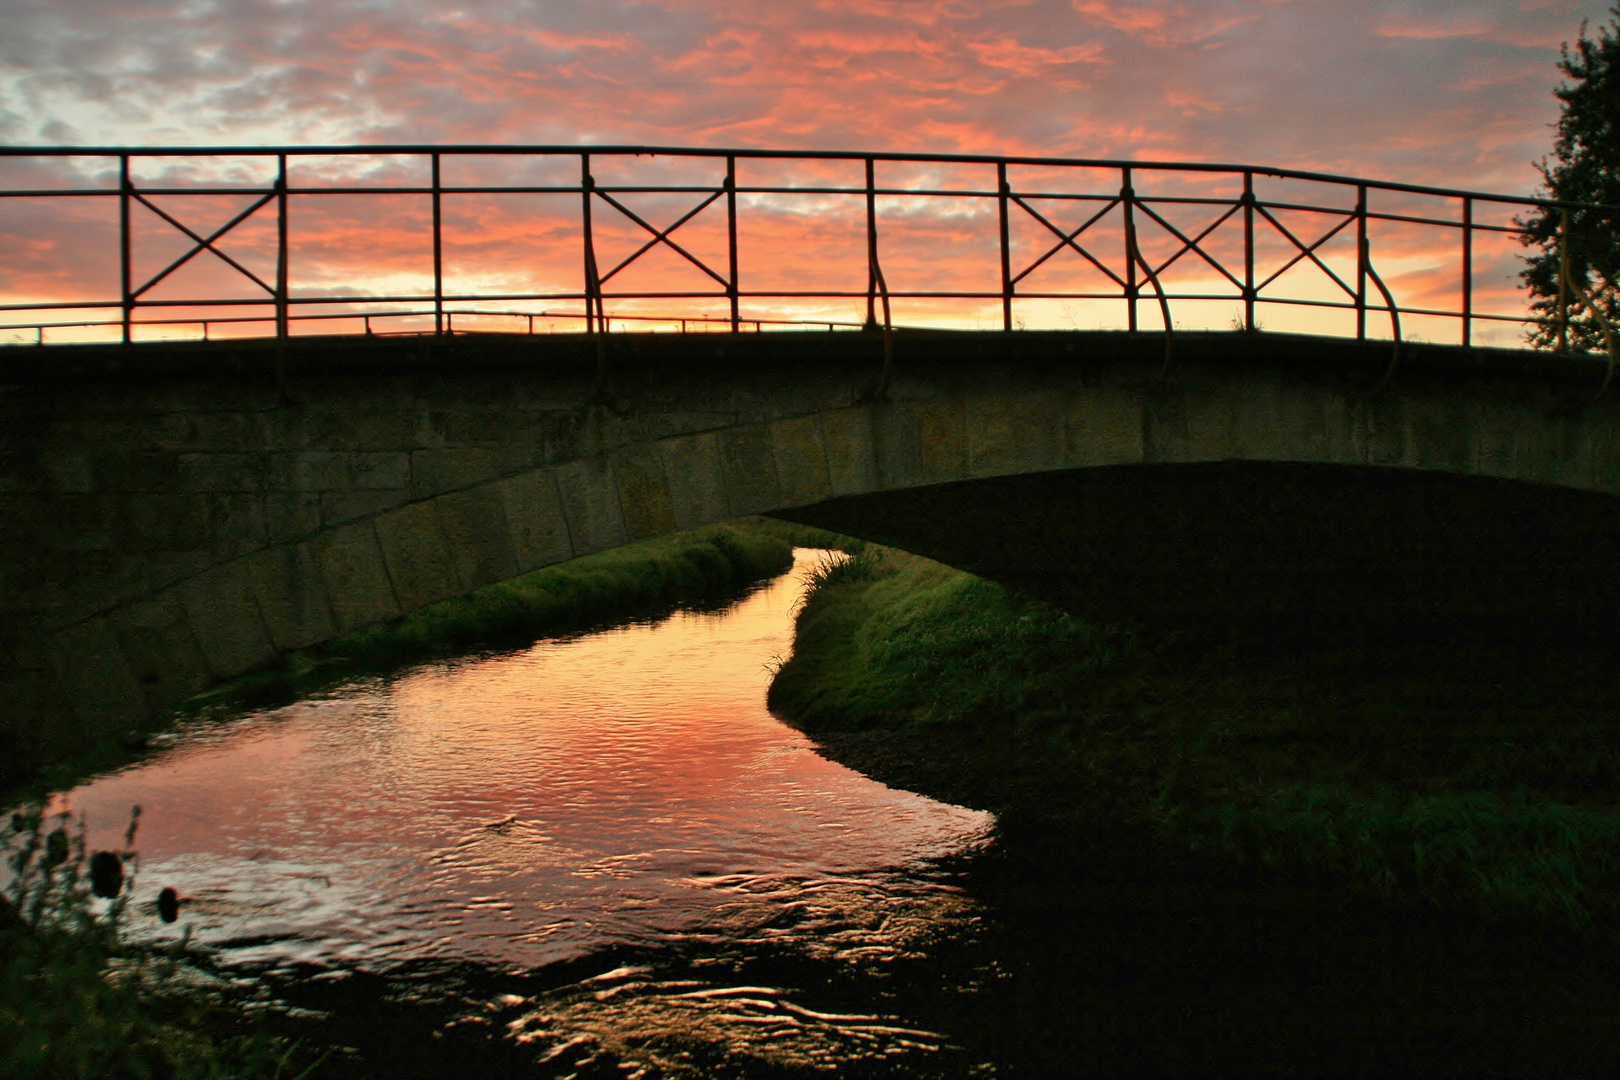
[(1585, 169)]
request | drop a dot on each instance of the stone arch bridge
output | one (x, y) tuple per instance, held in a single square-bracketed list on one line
[(179, 514)]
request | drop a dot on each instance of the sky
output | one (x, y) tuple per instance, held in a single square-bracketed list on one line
[(1453, 94)]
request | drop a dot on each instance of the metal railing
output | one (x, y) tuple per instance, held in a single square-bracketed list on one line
[(1130, 275)]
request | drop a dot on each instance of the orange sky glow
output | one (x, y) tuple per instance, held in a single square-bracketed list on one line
[(1444, 94)]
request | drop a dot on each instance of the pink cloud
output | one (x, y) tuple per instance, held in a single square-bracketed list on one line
[(1425, 91), (1161, 23), (1034, 61)]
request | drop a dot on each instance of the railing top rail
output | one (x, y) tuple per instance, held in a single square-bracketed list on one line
[(538, 149)]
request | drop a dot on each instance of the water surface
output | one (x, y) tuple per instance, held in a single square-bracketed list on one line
[(624, 789)]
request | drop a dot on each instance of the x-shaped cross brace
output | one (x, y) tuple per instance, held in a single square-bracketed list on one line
[(1191, 244), (661, 236), (1306, 252), (204, 243), (1066, 240)]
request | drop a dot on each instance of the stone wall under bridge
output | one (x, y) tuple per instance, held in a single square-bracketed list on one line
[(179, 514)]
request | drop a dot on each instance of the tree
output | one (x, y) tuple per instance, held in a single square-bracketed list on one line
[(1585, 169)]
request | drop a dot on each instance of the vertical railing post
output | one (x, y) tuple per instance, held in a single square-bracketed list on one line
[(1006, 247), (871, 243), (1248, 251), (281, 249), (125, 261), (1126, 194), (1361, 262), (591, 286), (1468, 272), (731, 238), (438, 254)]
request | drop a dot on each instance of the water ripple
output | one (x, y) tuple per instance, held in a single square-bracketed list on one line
[(620, 790)]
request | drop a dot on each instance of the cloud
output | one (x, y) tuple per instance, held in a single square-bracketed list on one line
[(1162, 24), (1034, 61), (1418, 90), (1514, 25), (1295, 83)]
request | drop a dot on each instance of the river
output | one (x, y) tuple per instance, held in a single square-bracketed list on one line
[(623, 792), (602, 857)]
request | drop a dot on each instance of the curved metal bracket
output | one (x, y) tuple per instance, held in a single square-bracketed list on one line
[(888, 329), (1394, 316), (1164, 302)]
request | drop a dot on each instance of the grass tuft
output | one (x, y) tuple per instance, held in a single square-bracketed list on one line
[(887, 636), (639, 580)]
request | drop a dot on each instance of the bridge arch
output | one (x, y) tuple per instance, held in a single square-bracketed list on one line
[(181, 515)]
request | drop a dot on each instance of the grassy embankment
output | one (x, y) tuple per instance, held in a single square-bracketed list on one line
[(1484, 784), (638, 581)]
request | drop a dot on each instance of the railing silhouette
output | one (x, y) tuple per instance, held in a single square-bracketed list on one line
[(1128, 273)]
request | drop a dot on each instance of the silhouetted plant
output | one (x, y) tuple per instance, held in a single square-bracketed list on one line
[(74, 1001)]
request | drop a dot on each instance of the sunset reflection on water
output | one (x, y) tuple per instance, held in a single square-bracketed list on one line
[(624, 787)]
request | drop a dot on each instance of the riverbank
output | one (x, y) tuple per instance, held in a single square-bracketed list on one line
[(1485, 784), (646, 580)]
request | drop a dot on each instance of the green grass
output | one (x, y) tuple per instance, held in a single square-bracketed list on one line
[(1501, 856), (647, 578), (1490, 783), (885, 637)]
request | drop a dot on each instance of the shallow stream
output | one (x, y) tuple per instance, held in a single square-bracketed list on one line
[(601, 856), (624, 791)]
